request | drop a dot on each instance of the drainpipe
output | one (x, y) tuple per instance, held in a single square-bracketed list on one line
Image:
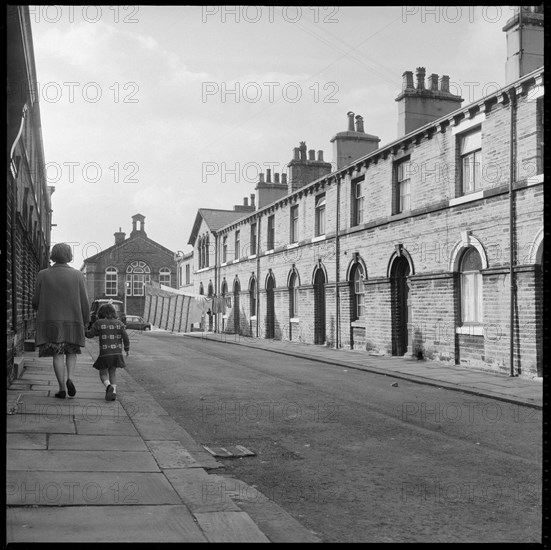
[(512, 161), (216, 289), (337, 265), (258, 227)]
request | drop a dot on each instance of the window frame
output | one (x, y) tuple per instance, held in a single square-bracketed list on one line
[(471, 290), (138, 274), (293, 224), (358, 291), (401, 183), (224, 249), (293, 296), (357, 201), (110, 272), (320, 211), (470, 160), (270, 233), (252, 297), (165, 272), (237, 244), (254, 234)]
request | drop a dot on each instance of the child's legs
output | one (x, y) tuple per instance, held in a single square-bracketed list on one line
[(113, 375), (103, 375)]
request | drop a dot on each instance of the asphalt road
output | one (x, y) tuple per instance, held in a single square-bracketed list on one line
[(351, 456)]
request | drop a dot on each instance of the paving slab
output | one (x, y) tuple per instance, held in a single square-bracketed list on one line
[(169, 523), (63, 442), (199, 491), (171, 454), (26, 441), (229, 527), (158, 428), (80, 461), (105, 426), (88, 489), (21, 423)]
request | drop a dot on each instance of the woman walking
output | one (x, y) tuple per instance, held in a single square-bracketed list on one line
[(62, 314)]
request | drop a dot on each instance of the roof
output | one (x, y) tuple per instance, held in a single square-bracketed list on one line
[(95, 257), (215, 219)]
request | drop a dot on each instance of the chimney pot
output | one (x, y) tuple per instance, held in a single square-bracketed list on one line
[(407, 81), (420, 78), (320, 156), (261, 176), (311, 154), (445, 83), (433, 82), (360, 124), (302, 149), (252, 199), (284, 178), (245, 201), (276, 176), (268, 175), (350, 116)]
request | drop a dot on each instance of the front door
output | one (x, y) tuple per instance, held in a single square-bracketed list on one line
[(270, 312), (236, 320), (319, 307), (400, 305)]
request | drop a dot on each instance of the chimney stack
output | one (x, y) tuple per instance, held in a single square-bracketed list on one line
[(525, 37), (119, 236), (421, 105), (305, 170), (353, 144), (245, 201), (268, 175), (252, 200), (261, 177), (284, 179), (276, 176), (320, 156)]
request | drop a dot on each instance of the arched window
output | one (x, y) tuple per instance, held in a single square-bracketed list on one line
[(224, 293), (358, 292), (293, 296), (138, 274), (111, 281), (252, 296), (471, 286), (164, 276)]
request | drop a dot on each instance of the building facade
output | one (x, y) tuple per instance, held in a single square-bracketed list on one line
[(122, 270), (28, 197), (430, 246)]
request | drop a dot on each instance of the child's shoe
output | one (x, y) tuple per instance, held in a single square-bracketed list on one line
[(110, 394)]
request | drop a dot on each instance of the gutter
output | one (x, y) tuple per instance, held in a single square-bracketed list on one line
[(512, 160)]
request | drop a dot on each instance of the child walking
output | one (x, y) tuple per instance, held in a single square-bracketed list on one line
[(112, 336)]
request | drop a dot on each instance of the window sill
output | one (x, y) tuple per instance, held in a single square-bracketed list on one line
[(292, 245), (253, 318), (357, 324), (269, 252), (224, 317), (471, 330), (235, 261), (467, 198), (534, 180), (223, 264), (252, 256), (294, 320), (318, 238)]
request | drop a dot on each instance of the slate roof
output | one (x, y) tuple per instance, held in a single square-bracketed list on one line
[(215, 219)]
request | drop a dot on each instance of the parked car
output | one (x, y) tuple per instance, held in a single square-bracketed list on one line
[(137, 323), (117, 304)]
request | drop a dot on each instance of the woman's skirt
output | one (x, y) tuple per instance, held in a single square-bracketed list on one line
[(57, 348)]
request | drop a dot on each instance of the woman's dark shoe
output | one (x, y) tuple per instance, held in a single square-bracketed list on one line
[(71, 388), (60, 394)]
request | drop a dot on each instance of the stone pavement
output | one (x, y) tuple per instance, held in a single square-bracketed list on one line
[(517, 390), (85, 470)]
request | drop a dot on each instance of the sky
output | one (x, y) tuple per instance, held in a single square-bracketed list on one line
[(162, 110)]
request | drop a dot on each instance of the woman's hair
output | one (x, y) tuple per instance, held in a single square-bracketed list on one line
[(107, 311), (61, 253)]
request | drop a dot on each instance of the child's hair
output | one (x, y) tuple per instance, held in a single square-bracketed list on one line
[(107, 311)]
